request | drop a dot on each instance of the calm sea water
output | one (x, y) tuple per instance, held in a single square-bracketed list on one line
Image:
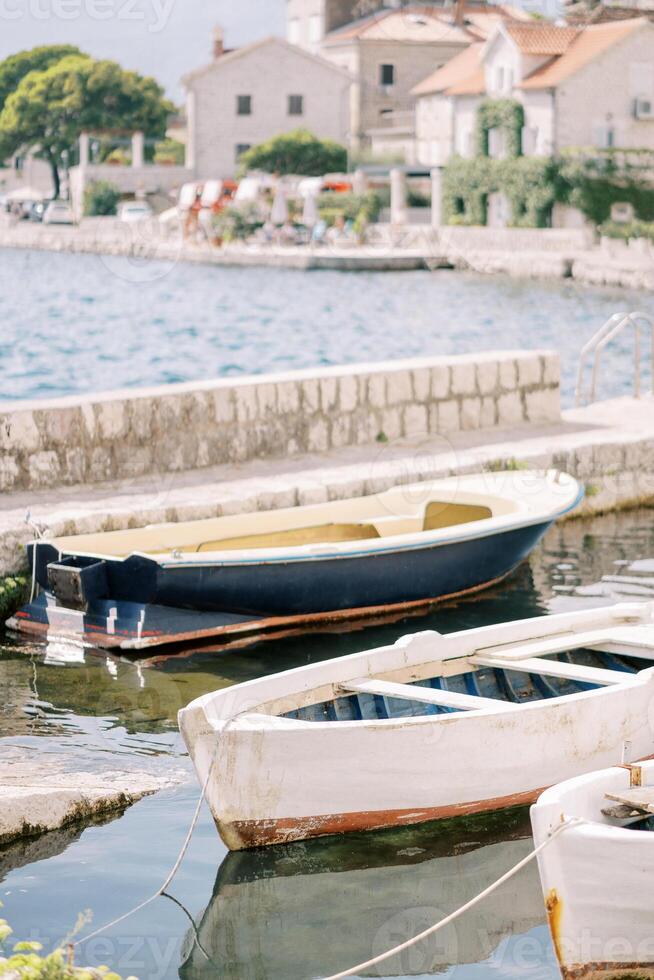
[(84, 323), (286, 913)]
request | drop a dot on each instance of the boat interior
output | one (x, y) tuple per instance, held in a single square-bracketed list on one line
[(383, 515), (479, 686)]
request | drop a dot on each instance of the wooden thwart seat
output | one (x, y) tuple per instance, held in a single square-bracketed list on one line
[(639, 798), (318, 534), (410, 692), (555, 668)]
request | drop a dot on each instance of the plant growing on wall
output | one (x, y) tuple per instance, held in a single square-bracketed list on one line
[(507, 115), (594, 183), (591, 181), (530, 184)]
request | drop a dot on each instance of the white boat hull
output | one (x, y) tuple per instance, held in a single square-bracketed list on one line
[(597, 881), (272, 779)]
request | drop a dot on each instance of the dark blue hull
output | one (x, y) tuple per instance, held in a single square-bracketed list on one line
[(320, 585)]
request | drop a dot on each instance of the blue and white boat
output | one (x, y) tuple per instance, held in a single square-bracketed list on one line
[(411, 545)]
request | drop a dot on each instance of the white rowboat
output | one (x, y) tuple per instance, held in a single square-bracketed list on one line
[(597, 873), (431, 727)]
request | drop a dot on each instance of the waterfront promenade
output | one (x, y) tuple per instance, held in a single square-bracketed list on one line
[(524, 253)]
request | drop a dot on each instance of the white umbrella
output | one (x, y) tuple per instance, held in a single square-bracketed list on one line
[(310, 212), (26, 194), (279, 213)]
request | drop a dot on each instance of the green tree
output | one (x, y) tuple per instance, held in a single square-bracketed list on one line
[(297, 152), (50, 108), (14, 68)]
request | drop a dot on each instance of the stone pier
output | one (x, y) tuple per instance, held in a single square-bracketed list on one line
[(183, 452)]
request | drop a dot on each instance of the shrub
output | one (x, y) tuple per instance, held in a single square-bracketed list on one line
[(100, 198), (351, 206), (169, 153), (238, 222), (297, 152), (13, 593), (26, 961), (628, 230), (118, 157)]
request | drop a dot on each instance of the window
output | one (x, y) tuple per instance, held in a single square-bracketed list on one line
[(499, 78), (294, 30), (387, 74), (242, 148), (604, 137), (295, 105), (244, 105)]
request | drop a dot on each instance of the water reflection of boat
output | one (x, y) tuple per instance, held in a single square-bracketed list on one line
[(310, 909)]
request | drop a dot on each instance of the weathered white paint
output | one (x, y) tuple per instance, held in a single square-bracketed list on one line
[(596, 876), (275, 779)]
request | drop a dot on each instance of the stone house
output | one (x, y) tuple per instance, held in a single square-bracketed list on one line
[(248, 95), (557, 73), (388, 53)]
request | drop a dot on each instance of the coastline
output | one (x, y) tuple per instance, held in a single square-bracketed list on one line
[(518, 253)]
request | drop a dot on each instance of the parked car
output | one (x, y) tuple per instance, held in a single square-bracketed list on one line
[(134, 211), (58, 213)]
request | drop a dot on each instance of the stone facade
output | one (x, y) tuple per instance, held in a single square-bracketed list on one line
[(242, 98), (558, 92), (176, 428)]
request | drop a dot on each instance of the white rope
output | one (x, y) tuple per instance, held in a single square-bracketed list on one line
[(176, 865), (40, 531), (360, 967)]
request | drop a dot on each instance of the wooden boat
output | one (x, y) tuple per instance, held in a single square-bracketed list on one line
[(308, 910), (433, 726), (410, 545), (597, 874)]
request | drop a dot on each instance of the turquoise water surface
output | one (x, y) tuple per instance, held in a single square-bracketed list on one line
[(85, 323)]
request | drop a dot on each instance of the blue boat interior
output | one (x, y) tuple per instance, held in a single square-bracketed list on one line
[(488, 682)]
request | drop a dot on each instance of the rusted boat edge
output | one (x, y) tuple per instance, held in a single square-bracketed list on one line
[(248, 631)]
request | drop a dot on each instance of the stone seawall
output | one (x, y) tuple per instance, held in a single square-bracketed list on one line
[(122, 435)]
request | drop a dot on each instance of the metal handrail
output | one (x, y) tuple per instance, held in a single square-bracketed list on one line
[(606, 333)]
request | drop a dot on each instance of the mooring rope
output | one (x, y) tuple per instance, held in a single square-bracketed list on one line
[(360, 967), (180, 857), (40, 530), (375, 960)]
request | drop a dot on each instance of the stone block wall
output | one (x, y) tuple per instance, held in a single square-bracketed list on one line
[(556, 240), (127, 434)]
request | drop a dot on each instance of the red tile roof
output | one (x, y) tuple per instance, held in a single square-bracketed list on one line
[(541, 39), (587, 45)]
